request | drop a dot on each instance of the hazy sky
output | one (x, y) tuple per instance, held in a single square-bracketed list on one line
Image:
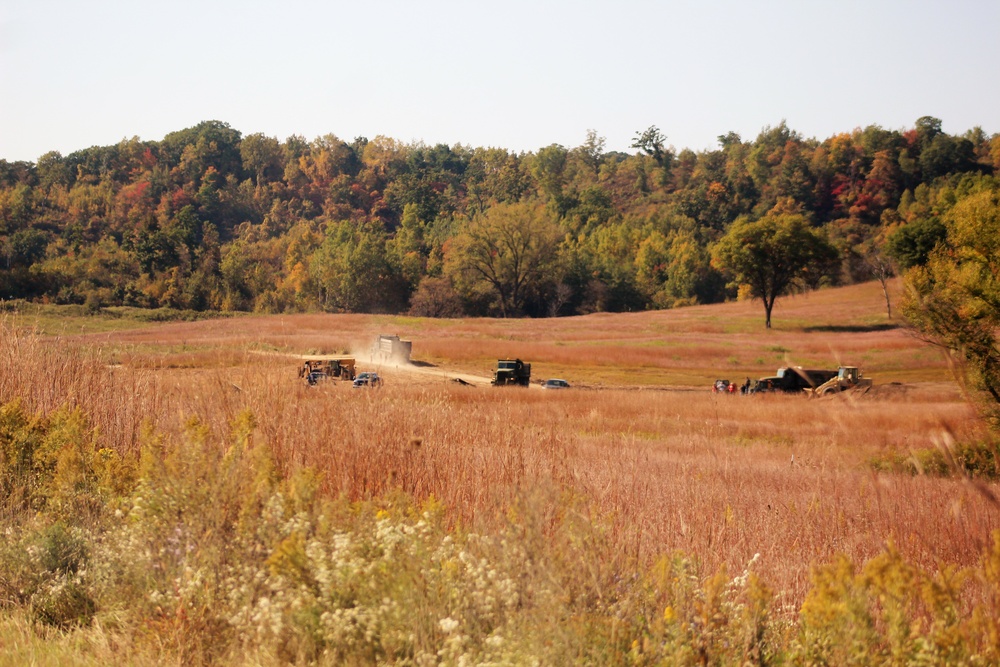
[(518, 75)]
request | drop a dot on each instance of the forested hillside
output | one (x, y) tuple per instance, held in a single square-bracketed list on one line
[(208, 219)]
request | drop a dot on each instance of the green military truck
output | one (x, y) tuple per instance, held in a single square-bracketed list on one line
[(511, 372)]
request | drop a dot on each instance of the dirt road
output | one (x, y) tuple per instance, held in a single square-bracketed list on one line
[(429, 372), (390, 369)]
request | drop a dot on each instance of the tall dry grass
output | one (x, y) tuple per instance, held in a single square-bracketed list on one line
[(719, 477), (46, 374)]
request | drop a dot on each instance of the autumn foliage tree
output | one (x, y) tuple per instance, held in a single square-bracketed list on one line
[(508, 250), (954, 299)]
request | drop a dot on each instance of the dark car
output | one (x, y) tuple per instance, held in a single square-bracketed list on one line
[(555, 384), (367, 379)]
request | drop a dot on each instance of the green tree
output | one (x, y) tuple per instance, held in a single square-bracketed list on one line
[(24, 247), (944, 155), (409, 248), (17, 173), (954, 299), (676, 270), (53, 169), (927, 127), (154, 249), (428, 180), (262, 157), (591, 208), (510, 249), (495, 175), (17, 208), (912, 243), (600, 267), (236, 267), (651, 142), (591, 153), (210, 143), (353, 272), (773, 255), (547, 167)]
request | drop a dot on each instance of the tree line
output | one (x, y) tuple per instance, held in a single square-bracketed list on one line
[(209, 219)]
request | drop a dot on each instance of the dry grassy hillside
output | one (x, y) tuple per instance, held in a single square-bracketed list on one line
[(683, 347)]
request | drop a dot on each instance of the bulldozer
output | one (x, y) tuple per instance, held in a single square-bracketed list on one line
[(317, 369), (848, 378), (511, 372)]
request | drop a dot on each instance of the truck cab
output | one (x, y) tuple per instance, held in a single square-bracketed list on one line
[(511, 372)]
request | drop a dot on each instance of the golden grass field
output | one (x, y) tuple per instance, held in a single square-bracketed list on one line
[(641, 437)]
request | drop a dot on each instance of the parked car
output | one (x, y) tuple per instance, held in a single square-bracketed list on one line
[(367, 379), (555, 384)]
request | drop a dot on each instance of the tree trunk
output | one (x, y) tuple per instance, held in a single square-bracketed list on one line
[(885, 293)]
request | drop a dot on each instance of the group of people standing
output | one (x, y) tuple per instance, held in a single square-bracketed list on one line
[(727, 387)]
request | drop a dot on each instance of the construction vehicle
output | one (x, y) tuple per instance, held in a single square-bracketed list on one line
[(848, 378), (392, 348), (511, 372), (793, 379), (318, 369)]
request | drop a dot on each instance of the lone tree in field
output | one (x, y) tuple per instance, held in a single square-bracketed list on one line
[(773, 255)]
